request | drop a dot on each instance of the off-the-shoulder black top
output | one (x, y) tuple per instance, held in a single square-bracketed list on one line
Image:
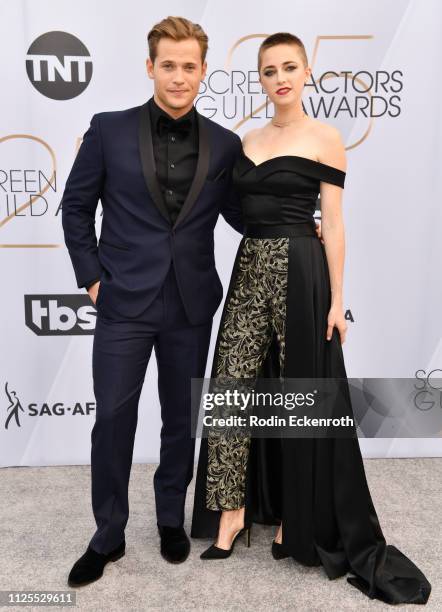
[(282, 189)]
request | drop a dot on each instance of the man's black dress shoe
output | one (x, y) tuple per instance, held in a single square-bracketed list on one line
[(90, 566), (175, 545)]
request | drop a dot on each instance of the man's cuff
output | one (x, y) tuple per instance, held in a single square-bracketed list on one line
[(89, 284)]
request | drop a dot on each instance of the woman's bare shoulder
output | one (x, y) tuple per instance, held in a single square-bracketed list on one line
[(331, 149), (325, 132), (251, 136)]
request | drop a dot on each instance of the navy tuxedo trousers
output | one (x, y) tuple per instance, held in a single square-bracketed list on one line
[(121, 352)]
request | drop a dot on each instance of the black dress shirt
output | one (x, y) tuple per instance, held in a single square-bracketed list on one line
[(175, 146)]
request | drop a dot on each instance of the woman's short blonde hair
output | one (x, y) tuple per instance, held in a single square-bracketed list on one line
[(282, 38)]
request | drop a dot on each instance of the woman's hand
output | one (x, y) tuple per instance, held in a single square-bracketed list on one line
[(318, 231), (336, 319)]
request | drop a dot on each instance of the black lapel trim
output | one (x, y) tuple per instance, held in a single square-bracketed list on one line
[(148, 161), (202, 169)]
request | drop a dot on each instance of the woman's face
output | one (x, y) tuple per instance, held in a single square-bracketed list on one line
[(282, 74)]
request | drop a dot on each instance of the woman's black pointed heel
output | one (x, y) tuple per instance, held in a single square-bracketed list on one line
[(214, 552), (278, 551)]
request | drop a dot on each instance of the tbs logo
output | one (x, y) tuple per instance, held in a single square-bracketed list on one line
[(59, 65), (60, 315)]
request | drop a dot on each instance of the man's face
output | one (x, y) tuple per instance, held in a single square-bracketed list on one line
[(177, 73)]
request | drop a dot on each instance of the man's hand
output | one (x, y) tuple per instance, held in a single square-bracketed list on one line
[(318, 231), (93, 291)]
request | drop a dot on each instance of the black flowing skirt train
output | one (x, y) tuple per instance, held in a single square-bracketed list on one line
[(316, 486)]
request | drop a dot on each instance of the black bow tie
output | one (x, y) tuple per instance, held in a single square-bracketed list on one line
[(167, 124)]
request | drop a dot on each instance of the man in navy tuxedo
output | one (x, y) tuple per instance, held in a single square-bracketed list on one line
[(163, 174)]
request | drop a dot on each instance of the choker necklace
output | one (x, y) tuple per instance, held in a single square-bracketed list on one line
[(284, 123)]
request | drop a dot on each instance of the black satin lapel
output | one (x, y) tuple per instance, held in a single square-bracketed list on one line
[(148, 161), (202, 169)]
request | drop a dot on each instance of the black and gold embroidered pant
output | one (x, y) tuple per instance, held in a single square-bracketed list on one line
[(255, 310)]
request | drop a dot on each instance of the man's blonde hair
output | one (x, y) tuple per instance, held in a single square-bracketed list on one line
[(176, 28)]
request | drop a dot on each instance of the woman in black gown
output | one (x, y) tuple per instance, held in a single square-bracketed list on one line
[(283, 316)]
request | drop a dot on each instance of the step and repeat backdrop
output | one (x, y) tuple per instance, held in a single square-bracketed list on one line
[(375, 76)]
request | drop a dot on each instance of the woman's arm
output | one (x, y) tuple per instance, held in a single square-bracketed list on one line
[(332, 227)]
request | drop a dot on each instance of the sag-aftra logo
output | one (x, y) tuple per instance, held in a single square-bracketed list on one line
[(15, 412)]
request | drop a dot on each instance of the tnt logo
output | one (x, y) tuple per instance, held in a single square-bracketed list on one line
[(59, 65), (60, 315)]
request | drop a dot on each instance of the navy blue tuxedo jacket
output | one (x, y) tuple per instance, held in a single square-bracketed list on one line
[(115, 164)]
